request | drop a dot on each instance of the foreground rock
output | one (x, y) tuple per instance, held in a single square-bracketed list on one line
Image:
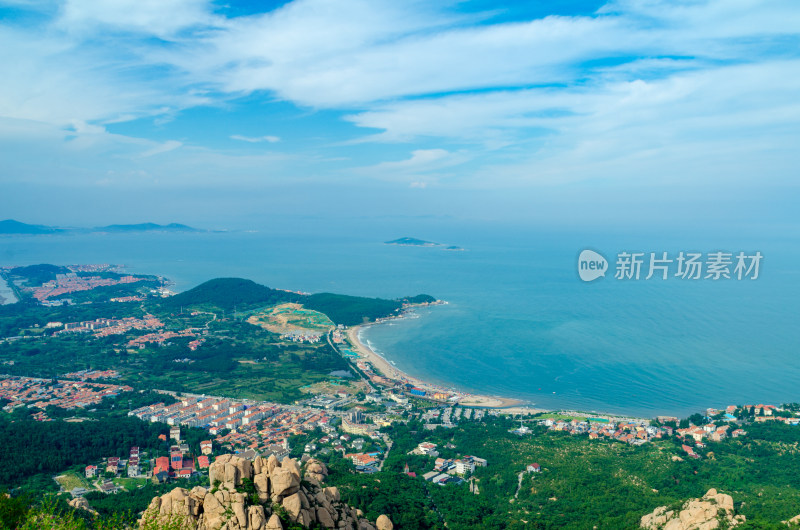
[(261, 495), (81, 504), (714, 510)]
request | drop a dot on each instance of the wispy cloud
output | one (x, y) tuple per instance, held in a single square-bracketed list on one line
[(460, 98), (255, 139), (165, 147)]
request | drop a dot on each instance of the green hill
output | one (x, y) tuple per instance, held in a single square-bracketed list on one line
[(419, 299), (241, 294), (351, 310), (229, 293), (38, 274)]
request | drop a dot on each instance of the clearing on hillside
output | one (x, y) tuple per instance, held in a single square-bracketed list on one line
[(286, 318)]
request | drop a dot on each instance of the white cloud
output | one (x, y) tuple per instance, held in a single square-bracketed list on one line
[(255, 139), (164, 18), (166, 147), (434, 164), (547, 99)]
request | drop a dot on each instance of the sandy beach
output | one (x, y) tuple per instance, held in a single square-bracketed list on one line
[(465, 399), (6, 294)]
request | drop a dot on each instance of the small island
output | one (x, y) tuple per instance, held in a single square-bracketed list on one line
[(412, 242)]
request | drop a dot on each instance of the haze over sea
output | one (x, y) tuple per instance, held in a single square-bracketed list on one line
[(519, 322)]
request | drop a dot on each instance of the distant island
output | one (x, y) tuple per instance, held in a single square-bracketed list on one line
[(413, 242), (147, 227), (11, 226)]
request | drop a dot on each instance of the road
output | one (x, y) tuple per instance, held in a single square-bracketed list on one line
[(388, 448)]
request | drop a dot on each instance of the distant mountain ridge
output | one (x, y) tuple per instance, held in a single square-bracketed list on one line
[(11, 226), (147, 227)]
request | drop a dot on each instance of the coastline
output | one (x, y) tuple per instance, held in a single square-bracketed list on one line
[(465, 399)]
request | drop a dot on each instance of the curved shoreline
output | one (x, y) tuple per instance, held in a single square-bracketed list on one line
[(464, 399)]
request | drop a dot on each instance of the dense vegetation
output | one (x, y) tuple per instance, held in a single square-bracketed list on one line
[(419, 299), (351, 310), (583, 483), (231, 294), (30, 513), (19, 318), (227, 294), (32, 451), (237, 360), (38, 274)]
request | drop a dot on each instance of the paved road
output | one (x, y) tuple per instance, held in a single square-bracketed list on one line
[(388, 448)]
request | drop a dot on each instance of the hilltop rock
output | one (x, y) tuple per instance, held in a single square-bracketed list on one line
[(279, 490), (705, 513), (316, 470), (81, 504), (229, 470)]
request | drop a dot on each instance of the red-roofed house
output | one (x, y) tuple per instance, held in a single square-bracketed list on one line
[(534, 468), (689, 451), (202, 462), (162, 464)]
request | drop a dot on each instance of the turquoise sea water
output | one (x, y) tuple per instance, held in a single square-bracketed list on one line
[(519, 322)]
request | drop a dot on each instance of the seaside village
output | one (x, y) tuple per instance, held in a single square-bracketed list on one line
[(332, 424), (342, 416)]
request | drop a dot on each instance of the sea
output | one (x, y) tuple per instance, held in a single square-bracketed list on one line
[(519, 321)]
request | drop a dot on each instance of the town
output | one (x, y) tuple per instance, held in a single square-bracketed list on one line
[(41, 393)]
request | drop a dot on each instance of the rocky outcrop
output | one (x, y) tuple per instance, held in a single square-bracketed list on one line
[(260, 495), (383, 523), (81, 504), (794, 521), (316, 470), (706, 513)]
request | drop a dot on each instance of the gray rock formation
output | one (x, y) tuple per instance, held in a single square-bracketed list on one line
[(279, 494)]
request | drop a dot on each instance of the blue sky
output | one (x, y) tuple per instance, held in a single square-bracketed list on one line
[(237, 114)]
